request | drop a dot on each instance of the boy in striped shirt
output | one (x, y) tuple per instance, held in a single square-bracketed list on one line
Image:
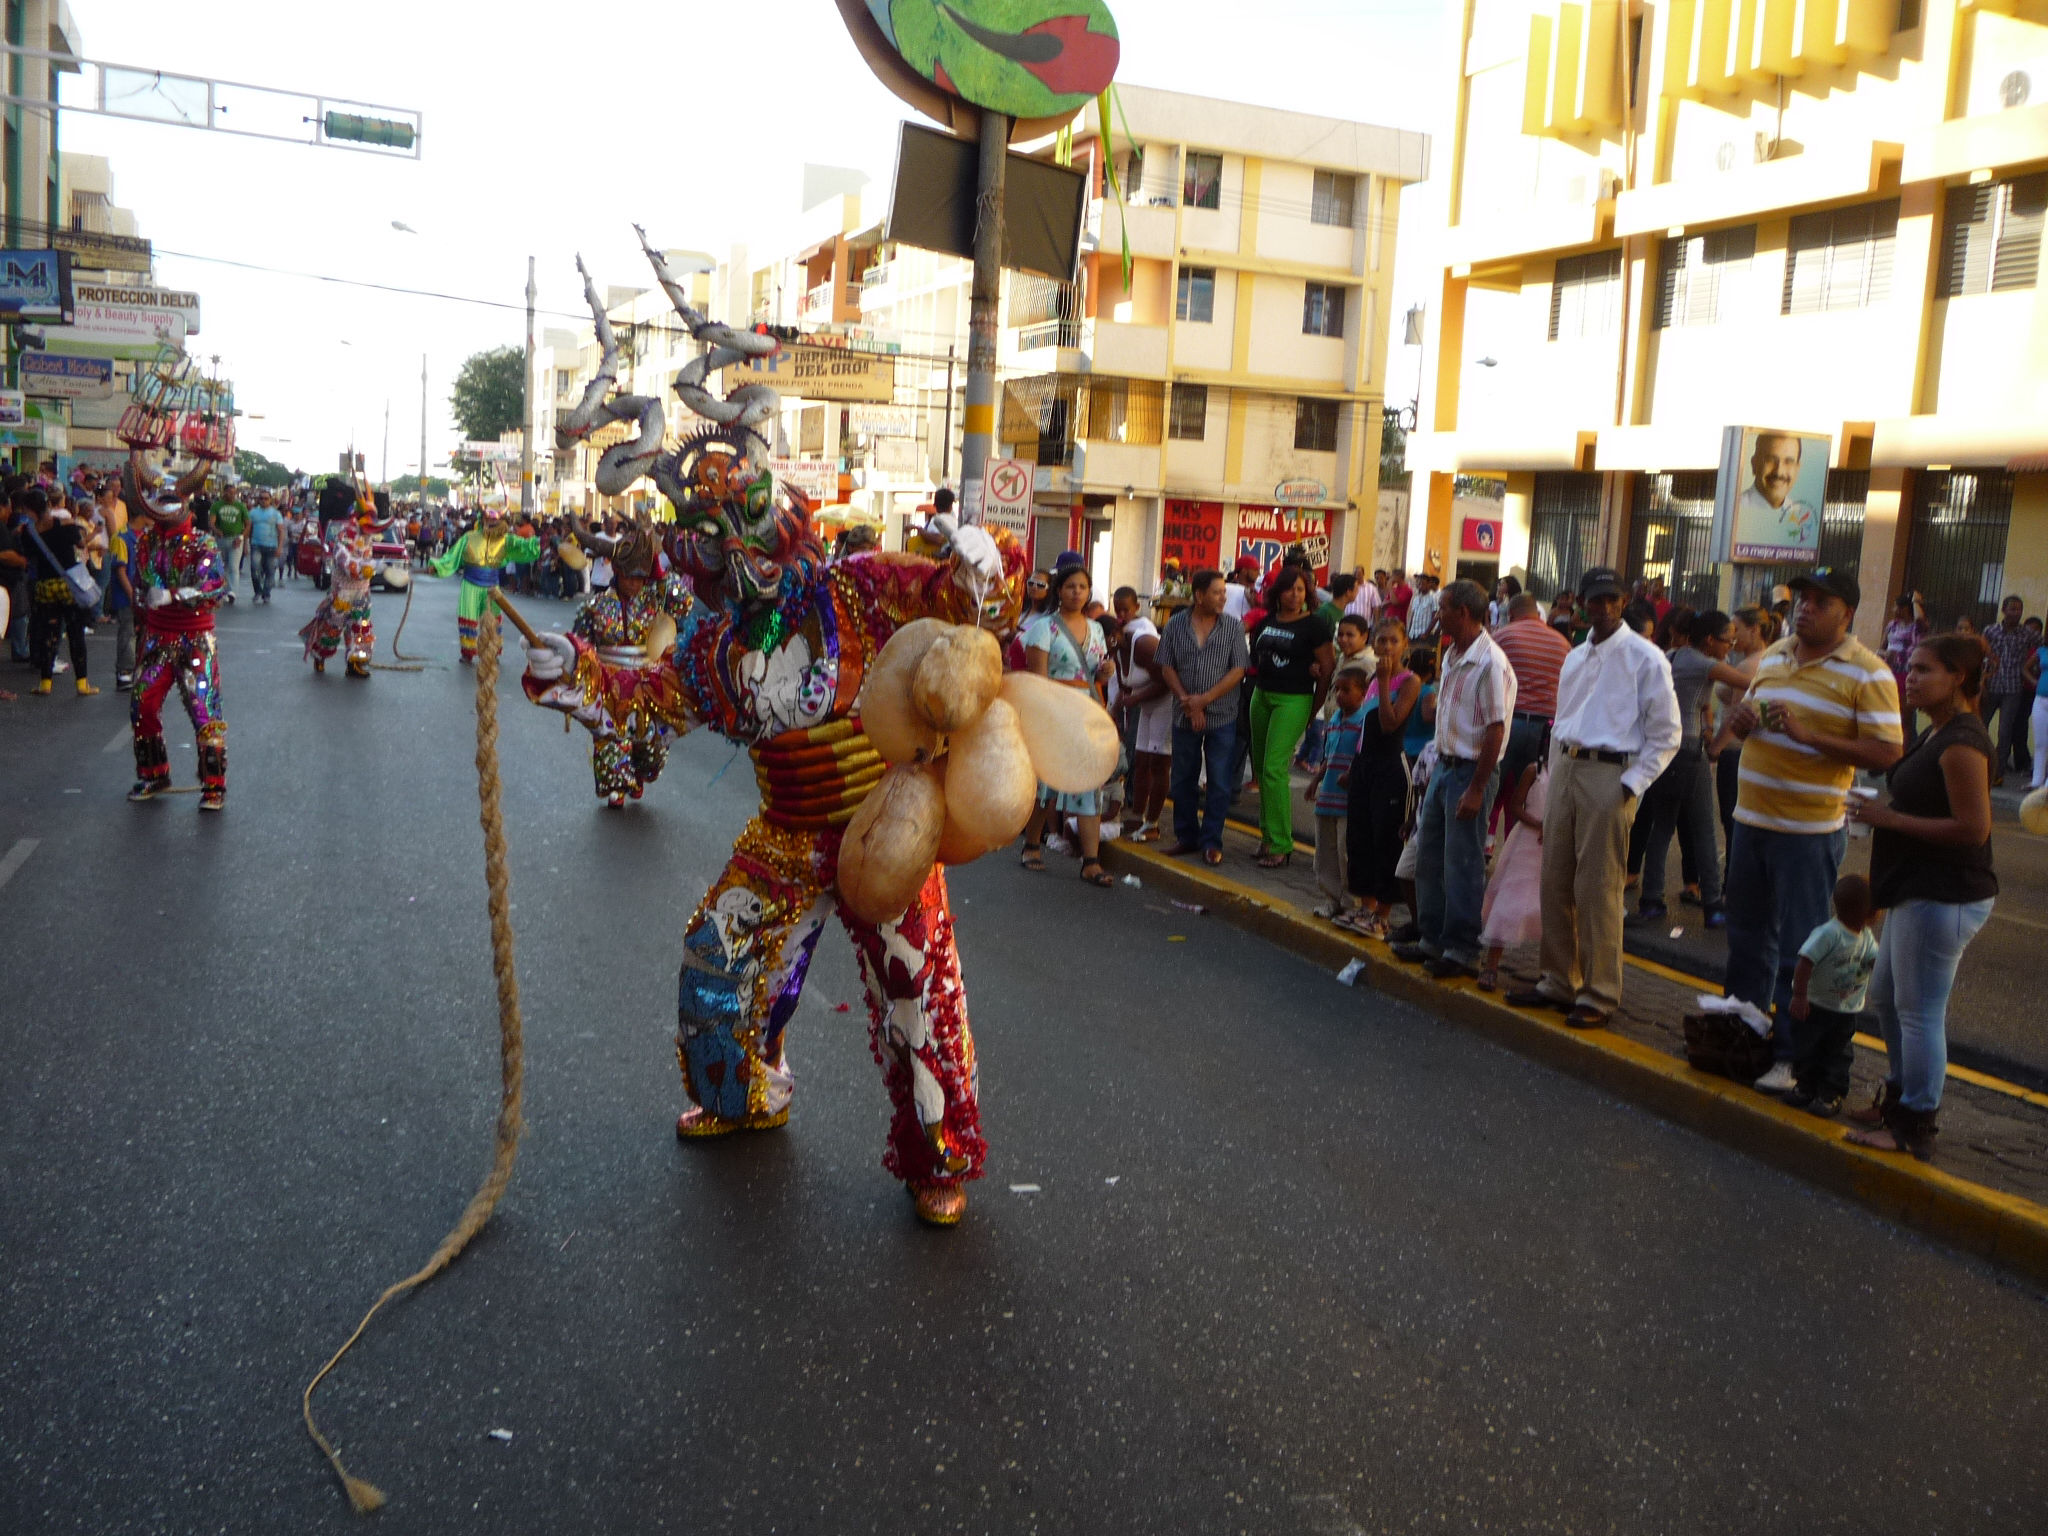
[(1822, 705)]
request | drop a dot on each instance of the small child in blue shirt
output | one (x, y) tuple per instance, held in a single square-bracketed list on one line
[(1828, 991), (1330, 788)]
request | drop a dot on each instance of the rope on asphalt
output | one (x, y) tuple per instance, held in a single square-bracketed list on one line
[(363, 1495), (419, 662)]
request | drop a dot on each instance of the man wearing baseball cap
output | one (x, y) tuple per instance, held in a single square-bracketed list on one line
[(1821, 706), (1616, 729)]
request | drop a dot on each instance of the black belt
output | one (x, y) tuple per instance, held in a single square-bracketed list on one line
[(1595, 755)]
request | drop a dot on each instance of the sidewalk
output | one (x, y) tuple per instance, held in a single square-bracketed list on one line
[(1986, 1191)]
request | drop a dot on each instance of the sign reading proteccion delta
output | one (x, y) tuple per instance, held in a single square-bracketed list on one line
[(1769, 495)]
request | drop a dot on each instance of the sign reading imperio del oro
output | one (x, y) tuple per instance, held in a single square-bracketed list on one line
[(821, 373)]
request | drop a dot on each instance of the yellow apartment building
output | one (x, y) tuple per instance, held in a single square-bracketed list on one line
[(1670, 216), (1226, 398)]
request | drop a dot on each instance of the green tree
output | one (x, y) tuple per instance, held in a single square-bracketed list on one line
[(1393, 450), (258, 470), (490, 393), (409, 485)]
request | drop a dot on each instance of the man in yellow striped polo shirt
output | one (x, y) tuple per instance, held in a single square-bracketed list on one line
[(1822, 705)]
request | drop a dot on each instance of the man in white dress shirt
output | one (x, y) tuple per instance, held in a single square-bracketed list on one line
[(1615, 730)]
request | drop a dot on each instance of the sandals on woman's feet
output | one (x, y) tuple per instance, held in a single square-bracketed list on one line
[(1489, 980), (1034, 858), (1274, 860), (1101, 875), (1212, 856)]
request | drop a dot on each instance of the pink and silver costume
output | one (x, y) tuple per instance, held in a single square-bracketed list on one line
[(178, 582)]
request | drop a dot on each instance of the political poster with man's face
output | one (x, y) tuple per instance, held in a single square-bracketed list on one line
[(1772, 489)]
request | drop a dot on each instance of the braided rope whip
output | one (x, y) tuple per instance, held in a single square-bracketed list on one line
[(419, 661), (363, 1495)]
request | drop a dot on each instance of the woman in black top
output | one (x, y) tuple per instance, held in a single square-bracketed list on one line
[(1294, 654), (1930, 865), (53, 613)]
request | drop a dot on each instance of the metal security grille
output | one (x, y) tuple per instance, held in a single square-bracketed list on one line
[(1956, 559), (1841, 540), (1564, 531), (1673, 536)]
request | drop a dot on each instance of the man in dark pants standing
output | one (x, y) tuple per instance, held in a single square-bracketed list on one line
[(1202, 658), (2008, 700)]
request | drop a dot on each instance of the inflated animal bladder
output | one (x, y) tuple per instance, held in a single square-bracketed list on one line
[(892, 843), (956, 678), (888, 714), (1071, 739)]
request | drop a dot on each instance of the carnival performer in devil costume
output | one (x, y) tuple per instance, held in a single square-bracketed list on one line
[(343, 617), (773, 655), (482, 555), (178, 581), (631, 624)]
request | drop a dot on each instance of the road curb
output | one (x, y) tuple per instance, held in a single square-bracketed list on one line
[(2007, 1230)]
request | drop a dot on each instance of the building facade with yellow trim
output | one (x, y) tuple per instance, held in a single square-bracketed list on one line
[(1670, 217), (1233, 381)]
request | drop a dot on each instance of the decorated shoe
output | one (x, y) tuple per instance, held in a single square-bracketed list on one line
[(939, 1205), (148, 789), (695, 1123), (213, 800)]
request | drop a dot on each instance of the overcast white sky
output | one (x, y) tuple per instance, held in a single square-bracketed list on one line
[(551, 128)]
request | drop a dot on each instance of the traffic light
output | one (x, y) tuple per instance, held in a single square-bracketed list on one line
[(387, 132)]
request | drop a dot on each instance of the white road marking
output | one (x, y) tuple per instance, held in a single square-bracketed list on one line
[(122, 738), (16, 857)]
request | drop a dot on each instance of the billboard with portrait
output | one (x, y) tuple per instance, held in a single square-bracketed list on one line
[(1769, 496)]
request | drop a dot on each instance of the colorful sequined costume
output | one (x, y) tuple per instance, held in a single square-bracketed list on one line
[(482, 555), (178, 581), (783, 679), (625, 761), (343, 617)]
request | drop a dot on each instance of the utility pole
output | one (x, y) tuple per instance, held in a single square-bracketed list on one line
[(526, 429), (384, 468), (978, 440), (423, 431), (946, 432)]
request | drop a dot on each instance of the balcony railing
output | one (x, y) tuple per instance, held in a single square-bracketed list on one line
[(818, 301), (1050, 333), (877, 275)]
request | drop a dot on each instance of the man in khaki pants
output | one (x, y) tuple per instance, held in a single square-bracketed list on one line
[(1615, 730)]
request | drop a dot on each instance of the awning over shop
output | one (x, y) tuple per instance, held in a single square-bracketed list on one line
[(1504, 450), (1914, 442)]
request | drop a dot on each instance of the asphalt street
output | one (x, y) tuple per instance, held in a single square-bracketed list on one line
[(1255, 1252)]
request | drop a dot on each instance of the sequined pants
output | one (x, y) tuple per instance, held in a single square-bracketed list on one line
[(191, 662), (333, 628), (745, 955)]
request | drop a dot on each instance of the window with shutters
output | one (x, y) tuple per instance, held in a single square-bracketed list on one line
[(1841, 259), (1315, 426), (1585, 295), (1702, 278), (1188, 419), (1334, 199), (1196, 298), (1992, 242), (1125, 411), (1322, 310)]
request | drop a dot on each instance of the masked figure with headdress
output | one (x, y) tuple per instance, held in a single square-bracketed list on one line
[(178, 581), (482, 555), (343, 617), (630, 625), (772, 655)]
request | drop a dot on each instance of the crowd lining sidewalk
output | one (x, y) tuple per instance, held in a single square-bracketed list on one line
[(1986, 1190)]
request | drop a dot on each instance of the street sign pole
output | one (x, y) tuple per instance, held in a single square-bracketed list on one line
[(977, 441), (526, 395)]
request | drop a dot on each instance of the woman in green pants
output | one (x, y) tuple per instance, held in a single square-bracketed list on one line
[(1293, 654)]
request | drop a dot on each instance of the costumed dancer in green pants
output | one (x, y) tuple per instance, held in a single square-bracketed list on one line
[(482, 554)]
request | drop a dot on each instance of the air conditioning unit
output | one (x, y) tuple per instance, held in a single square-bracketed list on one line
[(2024, 85)]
